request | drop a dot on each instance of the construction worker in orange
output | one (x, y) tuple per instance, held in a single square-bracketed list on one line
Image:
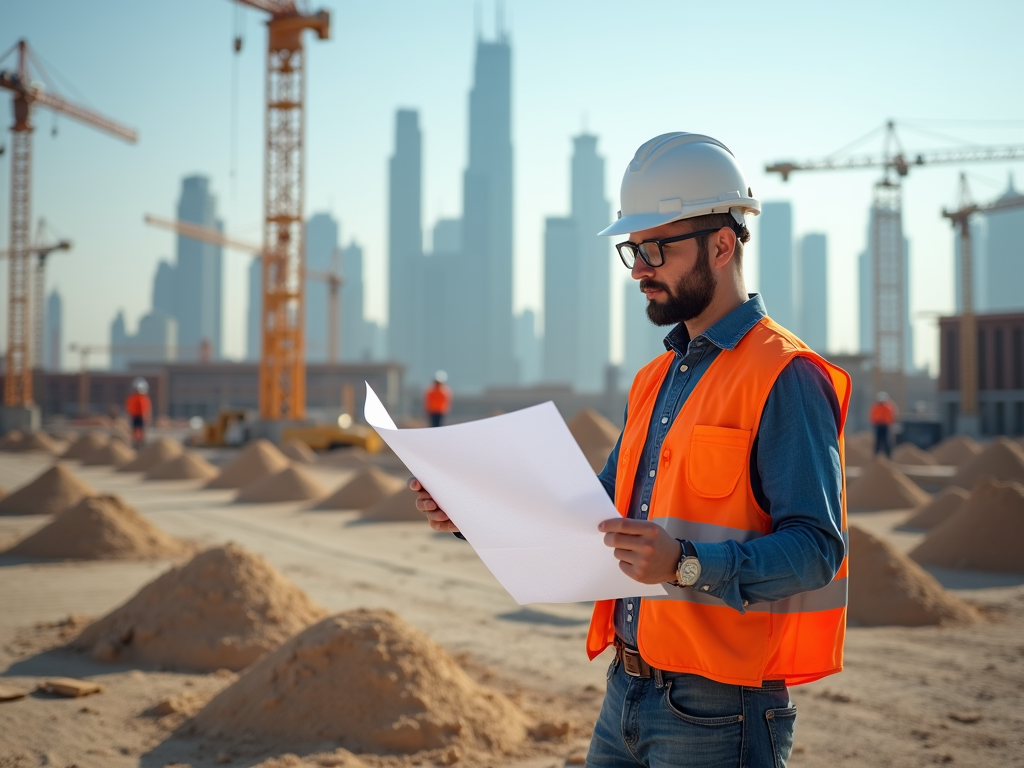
[(140, 410), (883, 414), (437, 400)]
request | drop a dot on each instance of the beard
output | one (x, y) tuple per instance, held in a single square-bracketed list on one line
[(690, 297)]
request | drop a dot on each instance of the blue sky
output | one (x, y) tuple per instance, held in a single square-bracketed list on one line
[(778, 80)]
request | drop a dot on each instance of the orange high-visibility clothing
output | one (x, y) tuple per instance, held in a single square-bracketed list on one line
[(702, 492), (883, 413), (438, 398), (138, 405)]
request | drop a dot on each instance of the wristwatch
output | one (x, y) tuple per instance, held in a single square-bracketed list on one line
[(688, 570)]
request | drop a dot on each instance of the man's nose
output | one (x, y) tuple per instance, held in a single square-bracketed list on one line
[(641, 270)]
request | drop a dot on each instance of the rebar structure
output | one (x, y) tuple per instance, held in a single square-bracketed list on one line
[(888, 278)]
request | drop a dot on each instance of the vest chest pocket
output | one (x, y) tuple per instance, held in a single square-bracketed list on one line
[(716, 459)]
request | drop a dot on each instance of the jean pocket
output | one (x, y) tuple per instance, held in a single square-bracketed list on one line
[(686, 717), (781, 724)]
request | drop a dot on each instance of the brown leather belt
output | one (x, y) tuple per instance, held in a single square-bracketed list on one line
[(631, 660)]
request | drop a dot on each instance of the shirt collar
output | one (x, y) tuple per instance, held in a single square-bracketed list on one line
[(727, 332)]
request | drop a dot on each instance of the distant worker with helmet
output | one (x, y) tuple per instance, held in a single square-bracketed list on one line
[(883, 415), (140, 410), (437, 400), (728, 480)]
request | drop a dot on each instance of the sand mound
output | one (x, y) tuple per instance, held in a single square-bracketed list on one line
[(595, 435), (113, 453), (887, 587), (856, 456), (366, 681), (345, 457), (157, 452), (223, 609), (293, 483), (955, 450), (296, 450), (1003, 459), (100, 528), (53, 491), (258, 460), (17, 442), (908, 453), (184, 466), (938, 510), (882, 486), (986, 534), (370, 486), (396, 508), (86, 445), (865, 442), (12, 441)]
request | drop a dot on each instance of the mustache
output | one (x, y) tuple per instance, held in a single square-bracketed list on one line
[(646, 285)]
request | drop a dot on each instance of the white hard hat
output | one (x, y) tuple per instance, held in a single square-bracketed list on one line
[(678, 176), (882, 397), (140, 385), (441, 377)]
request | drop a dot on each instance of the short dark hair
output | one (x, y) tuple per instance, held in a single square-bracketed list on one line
[(717, 221)]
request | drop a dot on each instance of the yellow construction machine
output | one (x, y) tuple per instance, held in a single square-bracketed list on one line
[(324, 437)]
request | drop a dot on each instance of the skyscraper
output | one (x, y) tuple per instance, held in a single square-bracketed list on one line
[(813, 298), (527, 347), (776, 263), (591, 212), (355, 343), (197, 274), (486, 302), (1004, 260), (562, 287), (322, 235), (405, 247), (53, 333)]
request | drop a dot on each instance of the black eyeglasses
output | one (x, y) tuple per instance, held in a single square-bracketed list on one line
[(650, 251)]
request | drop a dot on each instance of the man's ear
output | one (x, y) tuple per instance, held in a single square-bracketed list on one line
[(725, 240)]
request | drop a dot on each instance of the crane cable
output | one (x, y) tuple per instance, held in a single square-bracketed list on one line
[(239, 22)]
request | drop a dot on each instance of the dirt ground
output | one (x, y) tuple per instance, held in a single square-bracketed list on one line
[(908, 697)]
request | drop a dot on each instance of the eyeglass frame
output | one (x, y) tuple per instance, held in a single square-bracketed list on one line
[(634, 248)]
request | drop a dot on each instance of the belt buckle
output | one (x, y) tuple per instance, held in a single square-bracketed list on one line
[(631, 663)]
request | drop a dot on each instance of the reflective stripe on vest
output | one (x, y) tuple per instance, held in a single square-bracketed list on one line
[(702, 492)]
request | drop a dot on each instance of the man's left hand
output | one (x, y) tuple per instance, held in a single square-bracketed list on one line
[(646, 552)]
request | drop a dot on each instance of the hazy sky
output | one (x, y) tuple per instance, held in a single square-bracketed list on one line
[(771, 80)]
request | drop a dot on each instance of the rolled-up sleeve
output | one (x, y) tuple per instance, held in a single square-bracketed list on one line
[(799, 481)]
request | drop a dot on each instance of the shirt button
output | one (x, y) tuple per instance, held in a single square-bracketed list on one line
[(651, 473), (629, 617), (705, 587), (630, 606), (684, 368), (664, 419), (643, 507)]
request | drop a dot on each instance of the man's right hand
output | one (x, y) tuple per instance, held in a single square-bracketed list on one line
[(425, 503)]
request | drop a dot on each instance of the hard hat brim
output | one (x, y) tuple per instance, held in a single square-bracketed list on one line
[(637, 222)]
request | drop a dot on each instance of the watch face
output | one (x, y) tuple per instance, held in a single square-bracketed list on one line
[(689, 571)]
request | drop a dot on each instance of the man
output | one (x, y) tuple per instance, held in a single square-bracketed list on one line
[(728, 477), (437, 400), (140, 410), (883, 414)]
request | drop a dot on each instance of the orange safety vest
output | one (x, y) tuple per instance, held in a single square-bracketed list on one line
[(702, 493), (883, 413), (438, 398), (138, 405)]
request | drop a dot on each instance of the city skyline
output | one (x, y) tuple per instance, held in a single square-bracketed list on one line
[(346, 134)]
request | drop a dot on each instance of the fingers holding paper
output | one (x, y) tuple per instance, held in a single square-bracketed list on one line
[(645, 551), (425, 503)]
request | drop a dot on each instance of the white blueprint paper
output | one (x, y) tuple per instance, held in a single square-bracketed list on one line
[(520, 490)]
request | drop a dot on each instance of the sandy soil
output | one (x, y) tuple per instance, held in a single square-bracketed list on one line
[(909, 697)]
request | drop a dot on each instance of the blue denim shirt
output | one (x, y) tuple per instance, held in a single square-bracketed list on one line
[(794, 471)]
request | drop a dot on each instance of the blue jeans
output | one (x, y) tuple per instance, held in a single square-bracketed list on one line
[(687, 721)]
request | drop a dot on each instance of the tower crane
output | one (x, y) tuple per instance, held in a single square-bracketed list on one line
[(888, 275), (27, 95), (282, 362), (42, 251), (333, 279), (967, 417)]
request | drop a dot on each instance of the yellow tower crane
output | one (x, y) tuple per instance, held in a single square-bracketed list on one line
[(967, 416), (28, 93), (888, 276)]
